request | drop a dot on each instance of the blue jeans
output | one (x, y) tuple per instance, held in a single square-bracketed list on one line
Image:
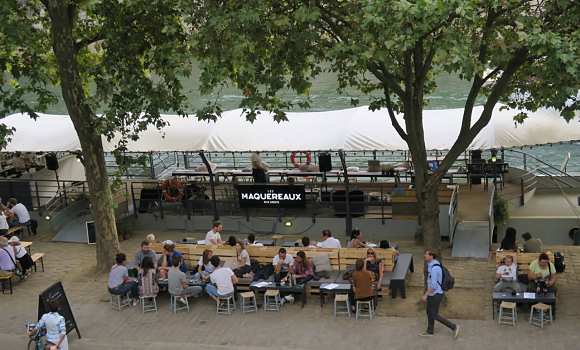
[(211, 290), (130, 288)]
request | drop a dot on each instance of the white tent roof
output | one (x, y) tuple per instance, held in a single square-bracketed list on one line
[(348, 129)]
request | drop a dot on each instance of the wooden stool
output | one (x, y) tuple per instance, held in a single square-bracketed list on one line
[(540, 313), (38, 257), (508, 313), (344, 308), (272, 300), (364, 309), (173, 303), (226, 304), (6, 278), (148, 303), (119, 302), (251, 305)]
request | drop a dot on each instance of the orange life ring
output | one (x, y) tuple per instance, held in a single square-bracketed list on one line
[(298, 165), (173, 190)]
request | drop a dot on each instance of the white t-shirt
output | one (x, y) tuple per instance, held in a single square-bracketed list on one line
[(245, 256), (222, 278), (3, 223), (330, 242), (211, 235), (209, 268), (20, 251), (288, 260), (22, 213), (508, 273)]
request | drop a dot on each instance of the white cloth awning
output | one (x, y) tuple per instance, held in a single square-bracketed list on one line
[(348, 129)]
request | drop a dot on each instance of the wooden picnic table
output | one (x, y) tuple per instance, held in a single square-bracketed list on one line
[(27, 245)]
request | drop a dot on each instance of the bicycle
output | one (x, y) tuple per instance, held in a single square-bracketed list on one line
[(37, 337)]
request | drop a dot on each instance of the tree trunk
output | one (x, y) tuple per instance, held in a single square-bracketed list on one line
[(62, 16), (428, 207)]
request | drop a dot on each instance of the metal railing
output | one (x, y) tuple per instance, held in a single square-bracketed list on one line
[(157, 163)]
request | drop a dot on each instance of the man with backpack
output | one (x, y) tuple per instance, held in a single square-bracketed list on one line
[(436, 286)]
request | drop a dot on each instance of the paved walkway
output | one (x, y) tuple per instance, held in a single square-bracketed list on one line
[(296, 328)]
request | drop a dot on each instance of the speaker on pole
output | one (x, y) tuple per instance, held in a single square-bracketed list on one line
[(324, 161), (51, 161)]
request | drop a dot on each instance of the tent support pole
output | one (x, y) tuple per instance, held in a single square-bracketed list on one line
[(348, 217), (211, 184)]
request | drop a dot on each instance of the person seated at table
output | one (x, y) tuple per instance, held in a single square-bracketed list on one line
[(281, 263), (306, 242), (145, 252), (21, 255), (356, 240), (232, 241), (204, 267), (169, 253), (252, 241), (532, 245), (375, 266), (222, 280), (328, 241), (3, 224), (177, 282), (386, 244), (119, 281), (362, 284), (302, 268), (243, 262), (506, 276), (7, 257), (508, 243), (213, 237), (147, 277), (18, 209), (542, 275), (259, 168)]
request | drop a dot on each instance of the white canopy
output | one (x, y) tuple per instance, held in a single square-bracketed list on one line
[(348, 129)]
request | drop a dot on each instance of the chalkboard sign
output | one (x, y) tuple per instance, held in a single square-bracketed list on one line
[(56, 293), (91, 232)]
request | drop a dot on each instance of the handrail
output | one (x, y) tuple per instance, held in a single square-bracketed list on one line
[(562, 173)]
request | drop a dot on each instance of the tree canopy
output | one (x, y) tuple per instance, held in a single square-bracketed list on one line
[(523, 53), (125, 58)]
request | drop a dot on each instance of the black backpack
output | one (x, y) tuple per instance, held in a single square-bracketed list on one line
[(447, 279), (559, 262)]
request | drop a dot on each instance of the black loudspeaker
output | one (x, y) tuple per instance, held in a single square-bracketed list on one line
[(476, 156), (324, 161), (51, 161)]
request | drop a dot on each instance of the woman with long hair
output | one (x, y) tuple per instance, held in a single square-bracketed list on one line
[(376, 266), (302, 268), (243, 262), (204, 266), (356, 239), (148, 278)]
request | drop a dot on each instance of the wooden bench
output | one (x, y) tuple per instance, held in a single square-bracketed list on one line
[(523, 260), (38, 257), (12, 231), (6, 278)]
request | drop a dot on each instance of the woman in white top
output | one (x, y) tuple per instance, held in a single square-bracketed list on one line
[(507, 276), (3, 224), (21, 254), (242, 259)]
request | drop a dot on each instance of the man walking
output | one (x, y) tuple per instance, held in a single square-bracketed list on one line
[(434, 294)]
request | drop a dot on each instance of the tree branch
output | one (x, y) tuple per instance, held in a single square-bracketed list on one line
[(464, 139), (392, 116)]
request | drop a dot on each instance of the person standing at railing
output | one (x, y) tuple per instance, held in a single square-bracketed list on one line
[(259, 168)]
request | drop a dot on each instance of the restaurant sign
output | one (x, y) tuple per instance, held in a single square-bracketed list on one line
[(271, 196)]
